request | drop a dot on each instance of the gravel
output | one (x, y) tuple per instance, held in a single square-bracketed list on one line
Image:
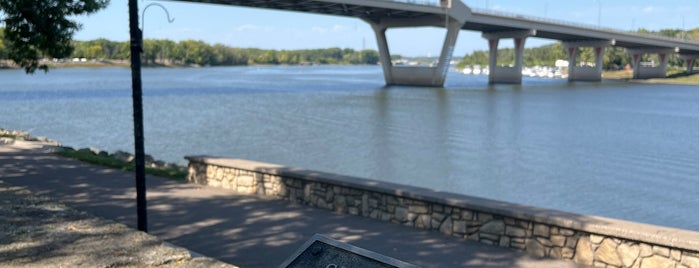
[(38, 232)]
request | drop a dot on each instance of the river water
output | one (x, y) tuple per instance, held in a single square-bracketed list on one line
[(614, 149)]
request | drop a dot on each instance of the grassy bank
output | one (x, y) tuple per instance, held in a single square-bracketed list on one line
[(88, 156), (621, 74), (677, 77), (118, 160)]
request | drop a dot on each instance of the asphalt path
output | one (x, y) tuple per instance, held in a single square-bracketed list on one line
[(248, 231)]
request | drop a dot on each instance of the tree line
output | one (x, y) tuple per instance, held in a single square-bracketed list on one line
[(192, 52), (615, 58), (34, 29)]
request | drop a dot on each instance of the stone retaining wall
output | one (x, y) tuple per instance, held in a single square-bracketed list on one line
[(588, 240)]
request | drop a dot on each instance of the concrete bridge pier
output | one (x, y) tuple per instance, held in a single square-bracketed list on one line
[(689, 61), (433, 76), (384, 53), (582, 72), (506, 74), (645, 72)]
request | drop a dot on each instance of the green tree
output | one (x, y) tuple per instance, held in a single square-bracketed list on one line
[(42, 28), (95, 52), (3, 47), (615, 58), (369, 56), (478, 57), (122, 51), (109, 48)]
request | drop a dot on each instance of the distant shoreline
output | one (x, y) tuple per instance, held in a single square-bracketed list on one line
[(674, 79), (7, 64), (692, 79)]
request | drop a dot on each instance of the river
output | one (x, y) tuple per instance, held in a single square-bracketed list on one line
[(615, 149)]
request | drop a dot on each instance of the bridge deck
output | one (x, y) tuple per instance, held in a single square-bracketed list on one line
[(371, 10), (477, 20)]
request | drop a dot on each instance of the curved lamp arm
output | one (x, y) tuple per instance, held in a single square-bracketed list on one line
[(143, 15)]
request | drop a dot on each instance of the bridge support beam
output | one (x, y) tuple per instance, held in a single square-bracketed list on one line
[(506, 74), (452, 19), (645, 72), (584, 72), (433, 76), (689, 61), (384, 53)]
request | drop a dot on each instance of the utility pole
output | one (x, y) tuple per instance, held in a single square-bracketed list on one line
[(137, 95)]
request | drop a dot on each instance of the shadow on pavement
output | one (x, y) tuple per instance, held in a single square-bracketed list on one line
[(248, 231)]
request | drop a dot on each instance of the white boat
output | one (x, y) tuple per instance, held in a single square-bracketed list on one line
[(476, 69)]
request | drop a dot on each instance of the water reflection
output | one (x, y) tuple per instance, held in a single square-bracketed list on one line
[(420, 121)]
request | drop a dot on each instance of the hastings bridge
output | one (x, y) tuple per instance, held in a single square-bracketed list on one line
[(456, 16)]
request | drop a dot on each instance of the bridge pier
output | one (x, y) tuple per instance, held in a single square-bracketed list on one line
[(646, 72), (577, 72), (384, 53), (431, 76), (689, 61), (506, 74)]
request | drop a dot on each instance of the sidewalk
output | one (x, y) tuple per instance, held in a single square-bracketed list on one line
[(248, 231)]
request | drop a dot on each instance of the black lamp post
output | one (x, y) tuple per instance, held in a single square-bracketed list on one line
[(137, 92)]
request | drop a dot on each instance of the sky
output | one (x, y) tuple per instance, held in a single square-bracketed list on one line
[(272, 29)]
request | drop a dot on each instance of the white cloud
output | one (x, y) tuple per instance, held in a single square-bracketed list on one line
[(255, 28), (337, 28), (648, 9)]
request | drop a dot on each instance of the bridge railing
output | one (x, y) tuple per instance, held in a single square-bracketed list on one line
[(549, 21), (574, 24)]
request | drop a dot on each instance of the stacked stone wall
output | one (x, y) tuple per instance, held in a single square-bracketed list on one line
[(587, 240)]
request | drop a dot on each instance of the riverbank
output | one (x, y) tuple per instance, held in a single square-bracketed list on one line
[(77, 63), (678, 78), (118, 160), (675, 79), (84, 63)]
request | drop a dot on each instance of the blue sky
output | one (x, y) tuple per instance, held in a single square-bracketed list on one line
[(271, 29)]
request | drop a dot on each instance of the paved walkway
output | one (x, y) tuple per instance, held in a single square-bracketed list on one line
[(247, 231)]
